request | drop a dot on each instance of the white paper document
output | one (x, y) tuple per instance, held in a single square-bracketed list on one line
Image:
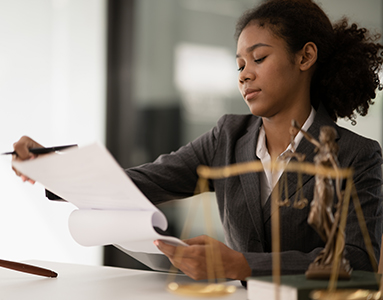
[(111, 209)]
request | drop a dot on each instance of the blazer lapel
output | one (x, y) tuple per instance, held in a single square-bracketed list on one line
[(245, 152)]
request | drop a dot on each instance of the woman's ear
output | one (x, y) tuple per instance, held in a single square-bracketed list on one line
[(308, 56)]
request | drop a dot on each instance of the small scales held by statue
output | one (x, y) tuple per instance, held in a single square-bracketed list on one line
[(327, 212)]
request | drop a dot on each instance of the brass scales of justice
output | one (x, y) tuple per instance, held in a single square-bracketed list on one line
[(330, 263)]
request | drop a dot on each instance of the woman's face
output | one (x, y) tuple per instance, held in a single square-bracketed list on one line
[(269, 76)]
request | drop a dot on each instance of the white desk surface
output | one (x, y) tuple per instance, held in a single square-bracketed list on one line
[(93, 282)]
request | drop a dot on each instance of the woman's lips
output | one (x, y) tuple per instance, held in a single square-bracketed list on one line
[(250, 94)]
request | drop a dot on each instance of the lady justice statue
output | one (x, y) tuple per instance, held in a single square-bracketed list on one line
[(321, 216)]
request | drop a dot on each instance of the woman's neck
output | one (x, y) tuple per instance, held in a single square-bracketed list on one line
[(277, 130)]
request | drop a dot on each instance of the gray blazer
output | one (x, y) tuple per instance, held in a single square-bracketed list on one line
[(247, 226)]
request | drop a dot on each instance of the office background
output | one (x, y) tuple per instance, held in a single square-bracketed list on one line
[(141, 76)]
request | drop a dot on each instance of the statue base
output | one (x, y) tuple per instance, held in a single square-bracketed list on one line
[(318, 271)]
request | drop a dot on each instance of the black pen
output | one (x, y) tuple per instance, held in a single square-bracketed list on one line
[(43, 150)]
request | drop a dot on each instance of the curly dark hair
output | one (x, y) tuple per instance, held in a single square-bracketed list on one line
[(349, 58)]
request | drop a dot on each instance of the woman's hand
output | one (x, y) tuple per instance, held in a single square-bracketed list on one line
[(192, 260), (22, 147)]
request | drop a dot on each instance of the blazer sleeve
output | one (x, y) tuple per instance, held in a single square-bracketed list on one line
[(367, 178), (174, 176), (368, 184)]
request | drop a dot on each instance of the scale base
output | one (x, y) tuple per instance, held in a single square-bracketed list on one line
[(201, 289)]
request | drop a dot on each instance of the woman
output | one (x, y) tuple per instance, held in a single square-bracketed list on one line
[(293, 65)]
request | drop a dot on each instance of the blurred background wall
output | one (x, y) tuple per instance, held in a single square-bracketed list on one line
[(52, 88), (141, 76)]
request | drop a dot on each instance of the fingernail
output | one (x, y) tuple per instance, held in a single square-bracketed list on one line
[(156, 243)]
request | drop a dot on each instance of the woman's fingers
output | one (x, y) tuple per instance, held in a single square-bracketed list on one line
[(192, 260), (22, 147), (198, 240)]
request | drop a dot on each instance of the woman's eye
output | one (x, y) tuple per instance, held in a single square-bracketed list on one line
[(258, 61)]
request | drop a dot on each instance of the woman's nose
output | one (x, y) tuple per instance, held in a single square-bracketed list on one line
[(246, 75)]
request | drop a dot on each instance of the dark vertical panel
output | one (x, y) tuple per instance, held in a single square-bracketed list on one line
[(120, 109), (158, 130)]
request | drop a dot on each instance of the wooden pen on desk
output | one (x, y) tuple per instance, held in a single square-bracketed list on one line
[(27, 268)]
